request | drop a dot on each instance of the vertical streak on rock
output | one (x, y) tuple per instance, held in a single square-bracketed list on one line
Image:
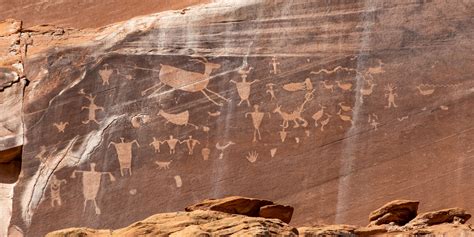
[(347, 158)]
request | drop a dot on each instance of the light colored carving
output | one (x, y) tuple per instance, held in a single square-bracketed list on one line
[(105, 74), (271, 91), (55, 190), (92, 109), (366, 91), (373, 118), (124, 154), (344, 86), (222, 148), (443, 107), (257, 118), (178, 181), (190, 143), (61, 126), (391, 96), (318, 115), (294, 116), (299, 86), (252, 156), (163, 164), (91, 184), (426, 91), (42, 154), (275, 70), (180, 119), (327, 86), (244, 87), (180, 79)]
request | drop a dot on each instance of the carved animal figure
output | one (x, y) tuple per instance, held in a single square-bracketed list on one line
[(344, 86), (61, 126), (243, 87), (343, 117), (105, 74), (327, 86), (299, 86), (325, 122), (318, 115), (366, 91), (188, 81), (163, 164), (294, 116), (177, 119), (344, 108), (425, 92)]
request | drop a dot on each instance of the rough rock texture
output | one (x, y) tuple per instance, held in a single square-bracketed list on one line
[(195, 223), (399, 212), (333, 107), (449, 215)]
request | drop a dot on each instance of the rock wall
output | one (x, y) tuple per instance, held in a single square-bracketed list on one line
[(334, 107)]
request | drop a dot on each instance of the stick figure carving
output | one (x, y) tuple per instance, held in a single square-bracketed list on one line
[(271, 91), (294, 116), (171, 144), (61, 126), (344, 86), (244, 87), (156, 144), (190, 143), (92, 109), (55, 190), (180, 79), (425, 91), (257, 118), (180, 119), (391, 96), (91, 184), (124, 154), (223, 148), (163, 164), (275, 70), (318, 115), (105, 74)]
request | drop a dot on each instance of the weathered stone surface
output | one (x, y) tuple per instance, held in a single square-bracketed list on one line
[(195, 223), (449, 215), (346, 102), (399, 212), (281, 212)]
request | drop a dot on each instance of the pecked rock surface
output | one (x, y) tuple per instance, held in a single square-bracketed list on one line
[(333, 107)]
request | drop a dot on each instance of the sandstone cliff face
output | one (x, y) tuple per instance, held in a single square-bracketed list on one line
[(332, 107)]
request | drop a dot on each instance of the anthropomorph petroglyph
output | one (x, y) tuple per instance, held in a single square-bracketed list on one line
[(181, 119), (271, 91), (156, 144), (55, 190), (92, 109), (171, 144), (299, 86), (294, 116), (318, 115), (366, 91), (190, 143), (244, 87), (273, 152), (275, 70), (373, 121), (222, 148), (124, 154), (42, 154), (327, 86), (391, 96), (105, 74), (257, 118), (252, 156), (163, 164), (180, 79), (61, 126), (90, 185)]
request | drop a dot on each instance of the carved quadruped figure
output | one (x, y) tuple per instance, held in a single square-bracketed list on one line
[(55, 190), (294, 116), (375, 70), (180, 119), (91, 184), (163, 164), (391, 96), (273, 152), (180, 79), (299, 86), (344, 108), (139, 119), (222, 148), (366, 91), (425, 91), (283, 134), (105, 74), (156, 144), (271, 91), (92, 109), (345, 118), (252, 156), (325, 122), (327, 86), (344, 86), (244, 87), (257, 118), (275, 70), (318, 115), (124, 154), (190, 143), (61, 126)]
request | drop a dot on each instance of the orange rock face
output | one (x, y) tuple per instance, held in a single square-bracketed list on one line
[(332, 107)]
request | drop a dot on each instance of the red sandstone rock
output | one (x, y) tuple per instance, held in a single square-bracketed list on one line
[(281, 212), (399, 212), (449, 215)]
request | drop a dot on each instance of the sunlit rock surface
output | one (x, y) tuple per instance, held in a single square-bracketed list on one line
[(333, 107)]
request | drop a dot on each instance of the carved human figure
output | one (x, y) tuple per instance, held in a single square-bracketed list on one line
[(91, 184), (391, 96), (171, 144), (271, 91), (243, 87), (124, 154), (42, 154), (190, 143), (156, 144), (55, 190), (275, 70), (257, 118), (105, 74), (92, 109), (373, 118)]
